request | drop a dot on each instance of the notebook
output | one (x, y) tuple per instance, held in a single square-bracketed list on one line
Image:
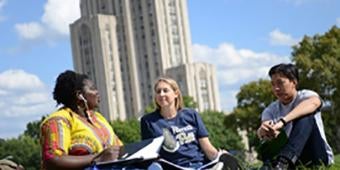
[(137, 152)]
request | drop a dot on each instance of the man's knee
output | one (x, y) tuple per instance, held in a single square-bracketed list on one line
[(305, 121)]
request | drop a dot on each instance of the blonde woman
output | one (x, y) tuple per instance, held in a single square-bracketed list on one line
[(192, 147)]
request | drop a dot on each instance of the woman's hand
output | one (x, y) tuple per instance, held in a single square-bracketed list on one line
[(108, 154)]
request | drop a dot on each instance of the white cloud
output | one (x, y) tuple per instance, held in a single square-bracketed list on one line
[(276, 37), (2, 92), (338, 22), (58, 14), (19, 80), (235, 67), (24, 98), (30, 31)]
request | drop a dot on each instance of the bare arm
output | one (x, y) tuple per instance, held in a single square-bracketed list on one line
[(209, 150), (69, 162), (307, 106)]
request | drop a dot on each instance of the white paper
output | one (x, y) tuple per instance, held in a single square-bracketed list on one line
[(150, 151)]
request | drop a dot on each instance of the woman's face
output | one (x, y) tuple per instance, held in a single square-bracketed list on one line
[(91, 94), (165, 95), (283, 88)]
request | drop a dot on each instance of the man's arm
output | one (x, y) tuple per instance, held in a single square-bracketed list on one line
[(307, 106)]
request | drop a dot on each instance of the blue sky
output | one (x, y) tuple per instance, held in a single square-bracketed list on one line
[(241, 38)]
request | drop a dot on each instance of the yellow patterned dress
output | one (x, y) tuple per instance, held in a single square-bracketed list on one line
[(66, 133)]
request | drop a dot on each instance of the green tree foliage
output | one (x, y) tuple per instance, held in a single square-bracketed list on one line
[(25, 150), (33, 128), (128, 131), (318, 60), (251, 100), (189, 102), (150, 108), (220, 136)]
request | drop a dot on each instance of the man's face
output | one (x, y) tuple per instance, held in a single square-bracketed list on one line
[(283, 88)]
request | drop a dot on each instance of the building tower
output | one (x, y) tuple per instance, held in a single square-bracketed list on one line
[(124, 45)]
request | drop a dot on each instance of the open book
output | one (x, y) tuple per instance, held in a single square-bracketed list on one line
[(227, 160), (173, 166), (137, 152)]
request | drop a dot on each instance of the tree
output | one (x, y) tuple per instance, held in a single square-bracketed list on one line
[(25, 151), (318, 60), (128, 131), (33, 128), (219, 135), (150, 108), (189, 102), (251, 100)]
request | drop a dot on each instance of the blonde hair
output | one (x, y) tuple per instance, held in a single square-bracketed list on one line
[(174, 86)]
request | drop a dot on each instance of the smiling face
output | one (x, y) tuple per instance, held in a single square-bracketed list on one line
[(283, 88), (91, 94), (165, 95)]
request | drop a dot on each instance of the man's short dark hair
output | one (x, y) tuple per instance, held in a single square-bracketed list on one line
[(288, 70)]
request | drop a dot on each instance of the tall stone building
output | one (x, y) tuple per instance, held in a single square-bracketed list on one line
[(125, 45), (199, 81)]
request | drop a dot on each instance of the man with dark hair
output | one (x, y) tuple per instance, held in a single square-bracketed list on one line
[(292, 124)]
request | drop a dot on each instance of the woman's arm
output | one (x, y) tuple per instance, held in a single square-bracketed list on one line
[(209, 150), (69, 162), (80, 162)]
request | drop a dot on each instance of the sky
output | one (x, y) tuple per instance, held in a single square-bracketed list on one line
[(242, 38)]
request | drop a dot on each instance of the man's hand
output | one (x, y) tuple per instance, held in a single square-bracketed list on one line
[(278, 126), (268, 130)]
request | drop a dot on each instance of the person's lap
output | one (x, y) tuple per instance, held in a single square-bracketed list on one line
[(304, 145), (229, 162)]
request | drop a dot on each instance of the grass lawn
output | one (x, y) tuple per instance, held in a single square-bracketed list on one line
[(335, 166), (336, 163)]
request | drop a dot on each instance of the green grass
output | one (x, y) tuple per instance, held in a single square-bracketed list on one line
[(336, 163), (335, 166), (337, 159)]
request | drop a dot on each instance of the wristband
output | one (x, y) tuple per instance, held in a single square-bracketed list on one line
[(283, 121)]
